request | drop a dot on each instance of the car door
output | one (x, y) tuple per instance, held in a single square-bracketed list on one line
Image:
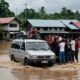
[(21, 52), (12, 50), (16, 50)]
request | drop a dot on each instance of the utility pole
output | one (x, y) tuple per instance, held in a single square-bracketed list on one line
[(16, 11), (25, 10)]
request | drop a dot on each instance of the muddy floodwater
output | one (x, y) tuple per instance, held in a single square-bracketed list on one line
[(10, 70), (4, 47)]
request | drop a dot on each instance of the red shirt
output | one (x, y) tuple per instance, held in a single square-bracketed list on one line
[(79, 44), (33, 33), (49, 40)]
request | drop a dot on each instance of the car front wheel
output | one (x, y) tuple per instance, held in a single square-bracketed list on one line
[(26, 61)]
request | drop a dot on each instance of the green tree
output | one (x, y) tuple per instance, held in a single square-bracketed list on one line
[(64, 13), (67, 13), (42, 13), (77, 15), (4, 9), (70, 14), (27, 14)]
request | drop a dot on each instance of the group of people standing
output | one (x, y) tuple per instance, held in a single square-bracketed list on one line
[(66, 50)]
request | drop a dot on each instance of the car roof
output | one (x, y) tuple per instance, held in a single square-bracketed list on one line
[(28, 40)]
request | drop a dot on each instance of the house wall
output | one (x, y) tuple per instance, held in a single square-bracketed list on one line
[(13, 28), (6, 27), (9, 32), (51, 29)]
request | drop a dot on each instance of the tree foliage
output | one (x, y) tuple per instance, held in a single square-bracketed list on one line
[(42, 14), (4, 9)]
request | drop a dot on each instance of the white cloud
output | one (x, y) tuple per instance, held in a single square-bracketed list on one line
[(51, 5)]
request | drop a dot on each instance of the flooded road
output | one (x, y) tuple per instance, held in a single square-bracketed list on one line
[(4, 46), (10, 70), (45, 74)]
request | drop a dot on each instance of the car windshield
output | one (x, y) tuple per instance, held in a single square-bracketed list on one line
[(37, 46)]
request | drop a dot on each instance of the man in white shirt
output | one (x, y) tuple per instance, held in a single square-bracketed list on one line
[(62, 51), (60, 38), (73, 49), (73, 45)]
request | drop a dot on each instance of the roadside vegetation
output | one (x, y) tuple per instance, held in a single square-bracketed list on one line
[(33, 14), (40, 14)]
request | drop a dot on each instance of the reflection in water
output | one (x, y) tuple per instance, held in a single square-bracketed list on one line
[(44, 74)]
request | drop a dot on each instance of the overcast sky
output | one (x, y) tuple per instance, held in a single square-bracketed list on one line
[(50, 5)]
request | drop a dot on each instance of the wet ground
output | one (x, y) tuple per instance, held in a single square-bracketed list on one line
[(10, 70)]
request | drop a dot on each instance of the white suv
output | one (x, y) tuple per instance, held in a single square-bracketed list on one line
[(31, 51)]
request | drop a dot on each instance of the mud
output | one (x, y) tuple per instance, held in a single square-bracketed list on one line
[(10, 70), (4, 47)]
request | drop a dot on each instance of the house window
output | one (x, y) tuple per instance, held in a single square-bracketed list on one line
[(38, 28), (50, 29), (13, 25), (60, 29), (45, 29), (55, 29)]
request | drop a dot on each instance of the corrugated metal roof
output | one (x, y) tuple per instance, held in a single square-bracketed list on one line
[(45, 23), (72, 27), (6, 20), (76, 24), (68, 24)]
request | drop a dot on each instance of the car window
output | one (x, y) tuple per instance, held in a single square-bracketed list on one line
[(23, 46), (15, 46), (37, 45)]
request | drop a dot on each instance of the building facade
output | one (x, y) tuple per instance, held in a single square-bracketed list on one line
[(73, 30), (46, 27), (9, 27), (63, 28)]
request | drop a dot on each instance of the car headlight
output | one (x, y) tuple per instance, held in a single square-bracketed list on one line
[(32, 57), (52, 57)]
